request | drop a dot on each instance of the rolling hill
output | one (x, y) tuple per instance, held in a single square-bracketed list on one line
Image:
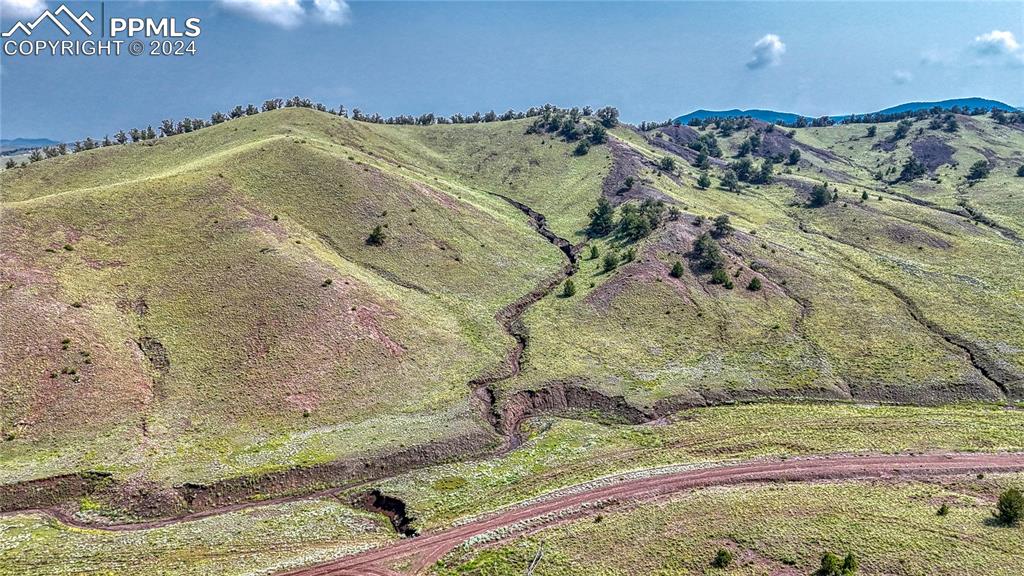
[(202, 319)]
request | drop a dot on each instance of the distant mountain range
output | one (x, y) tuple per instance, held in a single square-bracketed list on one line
[(11, 145), (788, 117)]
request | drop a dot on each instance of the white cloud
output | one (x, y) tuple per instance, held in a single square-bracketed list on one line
[(21, 8), (333, 11), (291, 13), (995, 43), (902, 77), (767, 51)]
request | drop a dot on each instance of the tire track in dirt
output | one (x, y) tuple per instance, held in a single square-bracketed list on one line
[(427, 549)]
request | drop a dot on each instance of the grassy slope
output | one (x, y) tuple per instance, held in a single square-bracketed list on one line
[(777, 529), (256, 214), (857, 267)]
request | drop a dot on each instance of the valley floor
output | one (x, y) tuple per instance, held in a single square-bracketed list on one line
[(593, 457)]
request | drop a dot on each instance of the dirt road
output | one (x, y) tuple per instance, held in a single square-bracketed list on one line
[(422, 551)]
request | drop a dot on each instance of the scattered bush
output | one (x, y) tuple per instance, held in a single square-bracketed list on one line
[(832, 566), (569, 288), (979, 170), (636, 222), (608, 116), (912, 169), (582, 148), (704, 181), (730, 182), (820, 195), (376, 237), (722, 226), (707, 253), (718, 276), (943, 510), (327, 282), (602, 219), (611, 261), (667, 164), (677, 270), (702, 161), (755, 284), (1020, 171), (1010, 508), (794, 157), (723, 558), (743, 169), (594, 253)]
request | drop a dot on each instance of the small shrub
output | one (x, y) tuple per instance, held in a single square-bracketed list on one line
[(723, 558), (569, 288), (830, 565), (677, 270), (943, 510), (327, 282), (376, 237), (850, 564), (704, 181), (69, 247), (722, 226), (755, 284), (1010, 508), (611, 260), (718, 276), (582, 148), (594, 253), (1020, 171), (979, 170), (667, 164)]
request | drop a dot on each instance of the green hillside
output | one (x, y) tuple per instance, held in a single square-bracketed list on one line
[(207, 306)]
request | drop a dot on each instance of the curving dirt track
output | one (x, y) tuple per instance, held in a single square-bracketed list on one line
[(422, 551)]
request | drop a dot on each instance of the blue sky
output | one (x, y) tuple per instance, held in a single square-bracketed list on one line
[(651, 60)]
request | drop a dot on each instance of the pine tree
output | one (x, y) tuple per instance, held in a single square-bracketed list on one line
[(730, 182), (704, 181), (602, 219), (569, 288)]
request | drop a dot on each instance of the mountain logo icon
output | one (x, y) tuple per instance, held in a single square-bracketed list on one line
[(28, 28)]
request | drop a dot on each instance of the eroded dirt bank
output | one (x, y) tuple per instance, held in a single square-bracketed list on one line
[(190, 501)]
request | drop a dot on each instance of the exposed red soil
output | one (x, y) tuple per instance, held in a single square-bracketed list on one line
[(427, 549), (932, 152)]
